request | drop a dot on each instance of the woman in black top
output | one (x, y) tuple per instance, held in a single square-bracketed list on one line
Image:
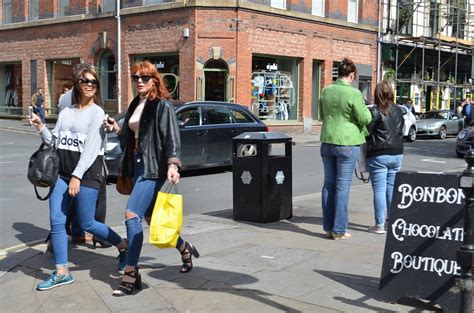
[(152, 154), (384, 151)]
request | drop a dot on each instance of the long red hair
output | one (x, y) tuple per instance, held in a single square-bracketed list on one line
[(158, 91)]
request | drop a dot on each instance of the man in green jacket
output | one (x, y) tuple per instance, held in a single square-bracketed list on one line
[(344, 117)]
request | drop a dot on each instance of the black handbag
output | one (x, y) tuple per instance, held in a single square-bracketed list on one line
[(43, 168)]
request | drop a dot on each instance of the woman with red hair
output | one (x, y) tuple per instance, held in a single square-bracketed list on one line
[(152, 150)]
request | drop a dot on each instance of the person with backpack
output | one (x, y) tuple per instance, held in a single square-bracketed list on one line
[(80, 141)]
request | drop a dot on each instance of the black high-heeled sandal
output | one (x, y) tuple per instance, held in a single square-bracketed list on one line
[(102, 243), (190, 250), (127, 288)]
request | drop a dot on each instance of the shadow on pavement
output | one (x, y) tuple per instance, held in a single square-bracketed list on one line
[(368, 286), (256, 295)]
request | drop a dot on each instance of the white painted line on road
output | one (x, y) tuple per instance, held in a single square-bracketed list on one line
[(433, 161), (7, 162), (267, 257)]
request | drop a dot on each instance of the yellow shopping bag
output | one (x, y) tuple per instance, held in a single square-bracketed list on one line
[(167, 219)]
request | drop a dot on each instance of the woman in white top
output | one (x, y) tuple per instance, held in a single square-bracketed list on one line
[(79, 138)]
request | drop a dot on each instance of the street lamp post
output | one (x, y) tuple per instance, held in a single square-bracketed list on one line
[(465, 254)]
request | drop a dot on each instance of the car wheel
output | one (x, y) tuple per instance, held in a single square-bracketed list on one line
[(460, 155), (411, 134), (442, 132)]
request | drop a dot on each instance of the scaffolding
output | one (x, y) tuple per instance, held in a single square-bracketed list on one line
[(442, 27)]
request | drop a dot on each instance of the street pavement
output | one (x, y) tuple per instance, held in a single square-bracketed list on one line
[(285, 266)]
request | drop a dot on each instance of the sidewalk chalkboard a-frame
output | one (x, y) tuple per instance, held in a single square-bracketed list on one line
[(425, 230)]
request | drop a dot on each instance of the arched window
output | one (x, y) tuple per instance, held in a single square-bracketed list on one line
[(107, 76)]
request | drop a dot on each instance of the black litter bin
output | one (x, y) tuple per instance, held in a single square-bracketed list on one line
[(262, 177)]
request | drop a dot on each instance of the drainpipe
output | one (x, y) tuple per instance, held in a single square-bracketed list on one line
[(119, 60), (379, 43)]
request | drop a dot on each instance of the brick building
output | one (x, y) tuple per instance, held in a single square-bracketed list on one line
[(273, 56)]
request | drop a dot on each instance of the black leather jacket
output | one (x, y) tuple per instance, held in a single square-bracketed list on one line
[(385, 132), (159, 140)]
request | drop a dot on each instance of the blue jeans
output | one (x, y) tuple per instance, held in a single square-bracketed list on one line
[(339, 164), (382, 170), (59, 203), (141, 202), (40, 112)]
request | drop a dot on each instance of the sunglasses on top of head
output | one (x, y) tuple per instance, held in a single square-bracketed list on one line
[(84, 81), (145, 78)]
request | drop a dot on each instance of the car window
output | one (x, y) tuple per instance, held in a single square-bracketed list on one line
[(241, 116), (404, 110), (217, 115), (190, 116)]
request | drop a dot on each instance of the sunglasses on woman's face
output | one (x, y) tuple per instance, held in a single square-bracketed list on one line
[(84, 81), (145, 78)]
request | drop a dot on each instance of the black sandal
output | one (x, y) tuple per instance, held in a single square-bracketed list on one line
[(127, 288), (188, 252)]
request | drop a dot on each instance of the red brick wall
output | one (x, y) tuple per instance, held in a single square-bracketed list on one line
[(337, 9), (18, 11), (47, 8), (238, 33)]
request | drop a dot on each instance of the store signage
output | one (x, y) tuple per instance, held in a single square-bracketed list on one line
[(272, 67), (425, 231), (160, 64)]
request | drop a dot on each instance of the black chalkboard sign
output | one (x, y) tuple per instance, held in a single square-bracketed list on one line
[(425, 230)]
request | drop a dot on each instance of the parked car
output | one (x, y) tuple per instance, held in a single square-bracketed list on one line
[(206, 130), (409, 129), (439, 123), (464, 141)]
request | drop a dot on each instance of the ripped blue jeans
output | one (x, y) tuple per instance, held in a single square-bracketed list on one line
[(140, 202)]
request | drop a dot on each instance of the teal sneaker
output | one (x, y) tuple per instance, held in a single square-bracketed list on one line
[(55, 280)]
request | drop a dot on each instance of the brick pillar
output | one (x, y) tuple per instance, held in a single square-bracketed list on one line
[(25, 88), (19, 10), (187, 65), (368, 13), (300, 5), (326, 77), (243, 77), (305, 87), (337, 9), (77, 7), (47, 8)]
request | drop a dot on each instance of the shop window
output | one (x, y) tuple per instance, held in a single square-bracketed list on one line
[(318, 7), (168, 67), (279, 4), (59, 81), (33, 10), (63, 8), (274, 88), (107, 6), (10, 89), (7, 11), (353, 11), (107, 76)]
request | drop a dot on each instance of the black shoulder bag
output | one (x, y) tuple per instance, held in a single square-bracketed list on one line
[(43, 168)]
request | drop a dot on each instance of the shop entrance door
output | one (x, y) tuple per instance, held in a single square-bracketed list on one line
[(215, 81)]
